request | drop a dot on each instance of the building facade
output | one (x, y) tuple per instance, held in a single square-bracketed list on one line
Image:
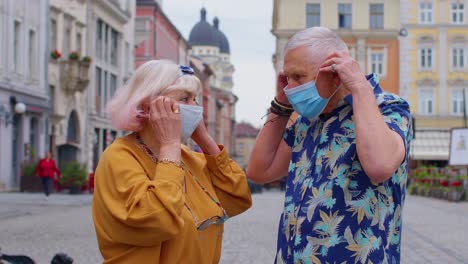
[(110, 42), (370, 28), (156, 37), (211, 46), (434, 72), (246, 135), (68, 80), (23, 82)]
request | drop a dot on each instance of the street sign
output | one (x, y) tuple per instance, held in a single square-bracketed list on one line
[(459, 147)]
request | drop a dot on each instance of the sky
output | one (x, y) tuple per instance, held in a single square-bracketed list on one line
[(247, 25)]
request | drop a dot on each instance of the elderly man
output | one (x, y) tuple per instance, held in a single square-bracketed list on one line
[(346, 156)]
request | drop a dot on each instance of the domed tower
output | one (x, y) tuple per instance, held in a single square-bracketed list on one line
[(225, 68), (222, 41), (211, 46), (203, 38)]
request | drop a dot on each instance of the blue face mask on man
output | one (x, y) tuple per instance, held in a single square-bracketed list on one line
[(190, 116), (306, 100)]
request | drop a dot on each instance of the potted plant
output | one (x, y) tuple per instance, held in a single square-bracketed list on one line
[(55, 54), (86, 59), (456, 190), (74, 176), (29, 181), (75, 55)]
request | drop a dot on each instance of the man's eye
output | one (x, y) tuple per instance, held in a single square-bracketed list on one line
[(185, 99)]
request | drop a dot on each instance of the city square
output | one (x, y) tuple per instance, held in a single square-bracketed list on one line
[(434, 231)]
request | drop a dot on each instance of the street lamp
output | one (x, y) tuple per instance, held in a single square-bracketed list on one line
[(7, 116)]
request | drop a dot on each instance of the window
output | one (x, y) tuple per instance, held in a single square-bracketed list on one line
[(127, 57), (66, 41), (51, 96), (312, 15), (155, 41), (105, 91), (457, 102), (458, 58), (32, 53), (114, 47), (33, 142), (78, 43), (425, 13), (344, 16), (106, 42), (426, 58), (53, 35), (113, 84), (99, 90), (99, 37), (426, 102), (377, 63), (16, 46), (140, 24), (457, 10), (72, 128), (376, 16)]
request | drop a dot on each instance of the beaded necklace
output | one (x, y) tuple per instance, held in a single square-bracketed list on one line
[(150, 153)]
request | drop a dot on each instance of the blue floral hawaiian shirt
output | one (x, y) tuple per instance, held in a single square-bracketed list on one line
[(333, 212)]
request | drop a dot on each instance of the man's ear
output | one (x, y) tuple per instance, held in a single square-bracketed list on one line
[(336, 80)]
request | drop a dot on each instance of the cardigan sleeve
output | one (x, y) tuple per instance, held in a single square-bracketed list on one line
[(230, 183), (132, 209)]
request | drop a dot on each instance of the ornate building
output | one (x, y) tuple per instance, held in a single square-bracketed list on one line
[(370, 28), (24, 98), (68, 80), (434, 73), (211, 46)]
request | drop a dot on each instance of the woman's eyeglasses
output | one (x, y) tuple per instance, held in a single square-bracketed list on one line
[(214, 220)]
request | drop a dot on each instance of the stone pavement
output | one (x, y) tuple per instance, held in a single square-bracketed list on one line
[(434, 231)]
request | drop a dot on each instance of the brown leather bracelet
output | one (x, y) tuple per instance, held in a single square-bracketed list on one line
[(282, 104)]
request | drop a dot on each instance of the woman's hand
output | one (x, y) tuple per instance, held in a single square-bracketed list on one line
[(204, 140), (165, 121)]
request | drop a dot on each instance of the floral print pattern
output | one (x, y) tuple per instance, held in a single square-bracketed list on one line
[(333, 212)]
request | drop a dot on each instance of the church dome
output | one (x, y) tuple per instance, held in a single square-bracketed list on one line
[(223, 42), (203, 34)]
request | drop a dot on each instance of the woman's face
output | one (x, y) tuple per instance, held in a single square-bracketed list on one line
[(183, 97)]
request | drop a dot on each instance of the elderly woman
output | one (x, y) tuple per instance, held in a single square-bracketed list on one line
[(155, 200)]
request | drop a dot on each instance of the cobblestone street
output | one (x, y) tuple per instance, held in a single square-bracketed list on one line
[(434, 231)]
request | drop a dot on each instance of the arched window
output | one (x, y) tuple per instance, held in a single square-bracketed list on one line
[(33, 138), (73, 131)]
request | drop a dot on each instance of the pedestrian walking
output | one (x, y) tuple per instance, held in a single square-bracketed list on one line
[(47, 170)]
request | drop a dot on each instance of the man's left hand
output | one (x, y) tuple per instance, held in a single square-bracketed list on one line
[(347, 69)]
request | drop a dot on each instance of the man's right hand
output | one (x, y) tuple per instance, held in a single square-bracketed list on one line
[(281, 82)]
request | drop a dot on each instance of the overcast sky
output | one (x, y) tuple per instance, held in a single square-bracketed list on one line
[(247, 25)]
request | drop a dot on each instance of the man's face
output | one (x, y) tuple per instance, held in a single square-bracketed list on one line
[(297, 67)]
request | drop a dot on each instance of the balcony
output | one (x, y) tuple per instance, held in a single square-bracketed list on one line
[(74, 76)]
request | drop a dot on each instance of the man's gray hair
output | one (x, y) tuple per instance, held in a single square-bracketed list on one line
[(320, 41)]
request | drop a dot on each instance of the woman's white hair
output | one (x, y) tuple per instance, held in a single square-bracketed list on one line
[(153, 78), (320, 42)]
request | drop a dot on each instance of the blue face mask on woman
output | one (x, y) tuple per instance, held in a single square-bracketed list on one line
[(306, 100), (190, 116)]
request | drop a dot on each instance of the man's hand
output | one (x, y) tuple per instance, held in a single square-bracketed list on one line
[(281, 82), (348, 71)]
